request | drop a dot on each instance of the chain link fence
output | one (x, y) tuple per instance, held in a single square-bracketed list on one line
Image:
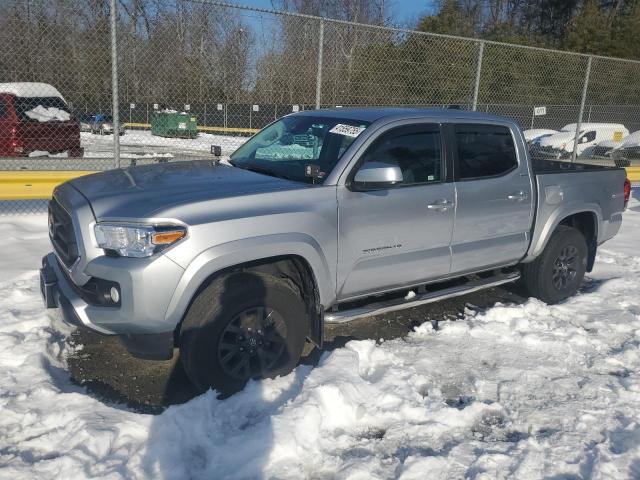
[(196, 73)]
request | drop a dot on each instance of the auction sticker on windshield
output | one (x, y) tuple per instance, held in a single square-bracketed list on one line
[(348, 130)]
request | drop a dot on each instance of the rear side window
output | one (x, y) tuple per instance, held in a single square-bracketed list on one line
[(3, 108), (484, 150)]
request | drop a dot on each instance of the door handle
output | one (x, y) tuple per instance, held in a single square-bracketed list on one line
[(441, 205), (518, 196)]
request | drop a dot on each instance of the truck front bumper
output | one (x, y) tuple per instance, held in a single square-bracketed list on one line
[(58, 292)]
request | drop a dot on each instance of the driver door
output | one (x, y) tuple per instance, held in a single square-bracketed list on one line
[(399, 235)]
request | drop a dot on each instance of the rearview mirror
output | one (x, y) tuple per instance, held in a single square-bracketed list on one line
[(376, 175)]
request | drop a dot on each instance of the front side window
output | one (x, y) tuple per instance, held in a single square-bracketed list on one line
[(484, 150), (3, 108), (589, 136), (300, 148), (417, 150)]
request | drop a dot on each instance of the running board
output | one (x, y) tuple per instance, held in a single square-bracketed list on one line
[(380, 308)]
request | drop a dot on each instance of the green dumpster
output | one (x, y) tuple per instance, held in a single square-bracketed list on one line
[(172, 124)]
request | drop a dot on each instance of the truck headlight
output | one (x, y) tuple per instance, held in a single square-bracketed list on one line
[(135, 240)]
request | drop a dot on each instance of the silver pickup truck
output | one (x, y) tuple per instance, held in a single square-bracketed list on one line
[(323, 216)]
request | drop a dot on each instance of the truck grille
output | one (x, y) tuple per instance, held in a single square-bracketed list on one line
[(61, 233)]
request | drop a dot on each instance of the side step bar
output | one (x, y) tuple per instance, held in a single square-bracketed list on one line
[(380, 308)]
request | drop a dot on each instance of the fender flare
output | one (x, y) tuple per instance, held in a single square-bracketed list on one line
[(540, 240), (220, 257)]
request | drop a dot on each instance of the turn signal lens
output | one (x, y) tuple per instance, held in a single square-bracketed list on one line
[(167, 238)]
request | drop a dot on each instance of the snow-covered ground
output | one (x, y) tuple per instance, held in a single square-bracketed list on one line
[(516, 391), (137, 143)]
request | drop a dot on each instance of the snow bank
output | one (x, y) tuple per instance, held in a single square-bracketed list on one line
[(26, 241), (30, 89), (48, 114), (515, 391)]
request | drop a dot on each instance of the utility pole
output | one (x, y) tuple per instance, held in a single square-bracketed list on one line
[(115, 104)]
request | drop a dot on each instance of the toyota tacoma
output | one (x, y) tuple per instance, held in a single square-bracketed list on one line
[(321, 217)]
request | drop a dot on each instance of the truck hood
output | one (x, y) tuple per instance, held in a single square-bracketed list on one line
[(145, 191)]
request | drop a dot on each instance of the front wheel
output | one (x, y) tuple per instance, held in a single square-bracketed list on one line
[(242, 326), (558, 272)]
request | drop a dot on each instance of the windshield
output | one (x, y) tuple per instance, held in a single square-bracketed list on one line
[(301, 148)]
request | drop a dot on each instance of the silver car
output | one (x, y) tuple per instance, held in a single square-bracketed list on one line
[(103, 125)]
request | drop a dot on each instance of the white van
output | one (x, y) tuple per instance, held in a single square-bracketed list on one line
[(560, 145)]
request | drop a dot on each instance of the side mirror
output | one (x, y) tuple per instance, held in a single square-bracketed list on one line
[(584, 140), (376, 176), (216, 150)]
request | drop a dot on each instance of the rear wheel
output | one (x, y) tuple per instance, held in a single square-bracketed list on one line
[(242, 326), (558, 272)]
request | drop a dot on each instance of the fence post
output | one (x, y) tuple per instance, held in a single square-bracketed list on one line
[(478, 72), (585, 87), (114, 86), (319, 67)]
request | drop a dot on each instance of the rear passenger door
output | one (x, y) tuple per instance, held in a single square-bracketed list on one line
[(493, 198)]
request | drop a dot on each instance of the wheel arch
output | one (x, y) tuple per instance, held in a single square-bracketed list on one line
[(301, 262), (586, 220)]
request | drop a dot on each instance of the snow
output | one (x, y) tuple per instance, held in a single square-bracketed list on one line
[(48, 114), (522, 391), (137, 143), (30, 89)]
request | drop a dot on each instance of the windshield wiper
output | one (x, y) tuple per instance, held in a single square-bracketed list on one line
[(265, 171)]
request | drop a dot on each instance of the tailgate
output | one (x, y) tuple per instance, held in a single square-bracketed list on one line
[(49, 136)]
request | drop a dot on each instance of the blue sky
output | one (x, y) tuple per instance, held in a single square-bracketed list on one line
[(404, 12)]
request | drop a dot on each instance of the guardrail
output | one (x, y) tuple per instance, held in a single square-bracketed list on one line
[(34, 185), (201, 128), (633, 174)]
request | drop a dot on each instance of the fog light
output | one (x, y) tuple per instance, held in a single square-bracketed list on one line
[(115, 295)]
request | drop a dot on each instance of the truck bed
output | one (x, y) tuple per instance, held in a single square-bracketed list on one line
[(565, 188), (554, 166)]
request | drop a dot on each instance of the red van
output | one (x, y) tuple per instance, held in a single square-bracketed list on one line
[(34, 118)]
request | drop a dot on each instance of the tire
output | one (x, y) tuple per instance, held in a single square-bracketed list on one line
[(558, 272), (219, 345)]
